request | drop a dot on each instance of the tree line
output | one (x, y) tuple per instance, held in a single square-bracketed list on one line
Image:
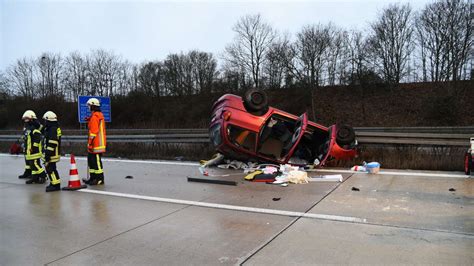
[(401, 45)]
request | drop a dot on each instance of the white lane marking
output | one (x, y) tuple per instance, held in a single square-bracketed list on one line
[(231, 207), (314, 170), (80, 158), (392, 173)]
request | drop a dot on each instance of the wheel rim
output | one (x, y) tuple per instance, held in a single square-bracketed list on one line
[(343, 133), (257, 98)]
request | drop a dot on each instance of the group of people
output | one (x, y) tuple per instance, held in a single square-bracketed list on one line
[(42, 142)]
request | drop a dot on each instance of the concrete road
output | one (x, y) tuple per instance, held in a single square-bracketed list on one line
[(158, 217)]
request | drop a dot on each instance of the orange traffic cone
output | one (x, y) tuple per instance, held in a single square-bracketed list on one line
[(74, 181)]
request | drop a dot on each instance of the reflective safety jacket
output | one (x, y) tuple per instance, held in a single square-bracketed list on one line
[(52, 142), (97, 138), (33, 147)]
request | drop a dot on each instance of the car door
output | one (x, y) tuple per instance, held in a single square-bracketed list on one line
[(300, 127)]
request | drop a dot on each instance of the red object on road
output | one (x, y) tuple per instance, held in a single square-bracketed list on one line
[(15, 149), (248, 129), (74, 180)]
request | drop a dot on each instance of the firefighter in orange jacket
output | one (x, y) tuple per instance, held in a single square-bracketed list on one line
[(96, 143)]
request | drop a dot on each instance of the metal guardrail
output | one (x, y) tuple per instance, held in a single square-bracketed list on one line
[(423, 139), (147, 131)]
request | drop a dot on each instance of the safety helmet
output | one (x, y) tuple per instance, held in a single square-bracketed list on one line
[(28, 114), (93, 101), (50, 116)]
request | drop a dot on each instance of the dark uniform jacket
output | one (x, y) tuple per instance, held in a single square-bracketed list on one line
[(33, 147), (52, 142)]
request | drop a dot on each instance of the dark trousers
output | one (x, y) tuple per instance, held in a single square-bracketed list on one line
[(36, 169), (27, 169), (53, 174), (94, 161)]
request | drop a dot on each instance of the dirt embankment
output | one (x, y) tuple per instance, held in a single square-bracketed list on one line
[(415, 104)]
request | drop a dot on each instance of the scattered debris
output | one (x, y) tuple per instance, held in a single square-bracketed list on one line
[(276, 199), (212, 181), (452, 189), (264, 178), (129, 177), (372, 167), (179, 158), (355, 189), (334, 178)]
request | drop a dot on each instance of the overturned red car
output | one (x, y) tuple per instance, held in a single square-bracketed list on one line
[(248, 129)]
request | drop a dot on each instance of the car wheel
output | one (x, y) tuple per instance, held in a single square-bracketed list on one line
[(256, 101), (467, 163), (345, 135)]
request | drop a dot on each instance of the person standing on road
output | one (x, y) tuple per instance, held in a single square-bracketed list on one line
[(33, 148), (96, 143), (26, 131), (52, 149)]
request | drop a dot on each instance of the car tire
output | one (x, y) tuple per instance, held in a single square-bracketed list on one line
[(467, 163), (345, 135), (256, 101)]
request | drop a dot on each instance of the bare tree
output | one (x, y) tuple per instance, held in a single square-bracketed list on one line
[(204, 70), (310, 51), (275, 68), (103, 72), (49, 69), (336, 54), (445, 37), (4, 84), (150, 78), (75, 75), (21, 76), (391, 41), (251, 44)]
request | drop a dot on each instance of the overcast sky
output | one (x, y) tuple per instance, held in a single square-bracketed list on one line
[(150, 30)]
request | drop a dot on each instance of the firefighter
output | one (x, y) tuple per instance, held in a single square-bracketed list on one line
[(26, 131), (96, 143), (33, 148), (52, 149)]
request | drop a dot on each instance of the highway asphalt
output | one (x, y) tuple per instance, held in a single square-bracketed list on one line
[(159, 218)]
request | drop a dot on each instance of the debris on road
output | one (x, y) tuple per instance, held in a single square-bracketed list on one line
[(212, 181), (355, 189), (452, 189), (129, 177), (276, 199), (326, 178), (372, 167)]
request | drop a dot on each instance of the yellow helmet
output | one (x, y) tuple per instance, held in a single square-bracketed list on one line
[(28, 114), (50, 116), (93, 101)]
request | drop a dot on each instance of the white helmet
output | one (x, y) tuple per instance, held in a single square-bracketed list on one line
[(28, 114), (93, 101), (50, 116)]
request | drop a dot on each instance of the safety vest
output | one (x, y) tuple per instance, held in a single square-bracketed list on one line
[(97, 137), (33, 149), (52, 143)]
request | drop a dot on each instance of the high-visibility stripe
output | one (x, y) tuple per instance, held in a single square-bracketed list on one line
[(36, 144), (53, 141), (54, 180), (50, 148), (92, 135), (101, 134), (36, 131), (38, 169), (27, 167), (99, 167), (33, 156)]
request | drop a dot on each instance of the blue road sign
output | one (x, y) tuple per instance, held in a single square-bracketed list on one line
[(83, 110)]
